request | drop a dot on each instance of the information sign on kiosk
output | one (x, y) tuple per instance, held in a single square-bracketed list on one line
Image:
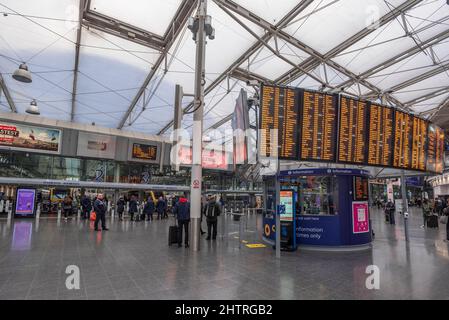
[(286, 211)]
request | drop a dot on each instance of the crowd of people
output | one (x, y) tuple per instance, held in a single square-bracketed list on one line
[(431, 209)]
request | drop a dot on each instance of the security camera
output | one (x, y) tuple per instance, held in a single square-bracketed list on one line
[(252, 83)]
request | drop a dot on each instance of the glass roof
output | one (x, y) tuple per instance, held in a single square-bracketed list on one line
[(336, 43)]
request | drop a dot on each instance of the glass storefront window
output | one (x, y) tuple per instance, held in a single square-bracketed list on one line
[(317, 195)]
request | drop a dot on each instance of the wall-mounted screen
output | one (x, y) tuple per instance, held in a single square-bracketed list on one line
[(30, 138), (144, 151)]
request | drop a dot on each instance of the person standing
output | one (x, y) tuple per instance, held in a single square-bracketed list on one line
[(160, 207), (212, 211), (426, 211), (148, 209), (100, 210), (120, 207), (389, 210), (86, 205), (67, 206), (133, 207), (182, 212)]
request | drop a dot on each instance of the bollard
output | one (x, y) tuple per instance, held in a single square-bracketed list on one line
[(59, 212), (38, 211)]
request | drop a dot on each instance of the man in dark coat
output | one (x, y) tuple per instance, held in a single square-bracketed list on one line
[(86, 205), (148, 209), (212, 211), (182, 212), (133, 207), (120, 208), (160, 207), (100, 210)]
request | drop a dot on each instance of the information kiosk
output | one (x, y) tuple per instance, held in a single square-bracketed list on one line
[(329, 208)]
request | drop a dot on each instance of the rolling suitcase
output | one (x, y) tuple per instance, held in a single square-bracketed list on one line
[(173, 234), (432, 221)]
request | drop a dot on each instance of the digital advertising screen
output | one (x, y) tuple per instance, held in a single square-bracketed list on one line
[(211, 158), (380, 141), (25, 200), (144, 151), (403, 139), (318, 126), (31, 138), (279, 110), (353, 128), (286, 199), (240, 123)]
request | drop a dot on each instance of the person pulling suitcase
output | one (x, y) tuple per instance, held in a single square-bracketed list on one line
[(181, 212)]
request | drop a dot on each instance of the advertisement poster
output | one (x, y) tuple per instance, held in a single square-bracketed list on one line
[(360, 217), (25, 202), (96, 145), (24, 137), (212, 159), (286, 199), (144, 151)]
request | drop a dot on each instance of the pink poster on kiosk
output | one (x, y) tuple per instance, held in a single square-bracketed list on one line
[(360, 217)]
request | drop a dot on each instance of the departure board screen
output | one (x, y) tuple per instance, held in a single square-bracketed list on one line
[(419, 144), (380, 141), (403, 138), (318, 126), (360, 188), (435, 149), (352, 130), (279, 110)]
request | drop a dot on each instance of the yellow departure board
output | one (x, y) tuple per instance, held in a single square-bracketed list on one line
[(419, 139), (403, 136), (318, 126), (279, 122), (352, 130), (439, 154), (380, 141)]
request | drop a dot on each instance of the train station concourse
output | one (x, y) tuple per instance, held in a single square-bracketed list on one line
[(248, 151)]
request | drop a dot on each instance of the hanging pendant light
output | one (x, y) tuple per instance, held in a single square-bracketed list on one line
[(22, 74), (33, 108)]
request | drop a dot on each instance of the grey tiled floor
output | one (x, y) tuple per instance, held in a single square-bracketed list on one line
[(133, 261)]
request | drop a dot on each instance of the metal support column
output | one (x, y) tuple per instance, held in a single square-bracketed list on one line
[(197, 170), (278, 217), (404, 205)]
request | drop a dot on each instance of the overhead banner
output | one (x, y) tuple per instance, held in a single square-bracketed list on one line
[(211, 159), (96, 145), (30, 138)]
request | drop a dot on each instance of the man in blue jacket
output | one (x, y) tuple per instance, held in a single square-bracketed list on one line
[(148, 209), (182, 213), (160, 207), (100, 211)]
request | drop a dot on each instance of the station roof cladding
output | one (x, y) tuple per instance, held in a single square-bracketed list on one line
[(116, 62)]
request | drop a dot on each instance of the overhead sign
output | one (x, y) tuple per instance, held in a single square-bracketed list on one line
[(279, 111), (30, 138), (380, 137), (144, 151), (96, 145), (319, 126)]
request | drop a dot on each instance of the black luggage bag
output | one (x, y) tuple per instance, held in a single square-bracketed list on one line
[(172, 235), (432, 221)]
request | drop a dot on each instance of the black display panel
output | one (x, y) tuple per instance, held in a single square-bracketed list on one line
[(318, 132), (419, 144), (403, 139), (380, 136), (360, 189), (352, 131), (279, 110)]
